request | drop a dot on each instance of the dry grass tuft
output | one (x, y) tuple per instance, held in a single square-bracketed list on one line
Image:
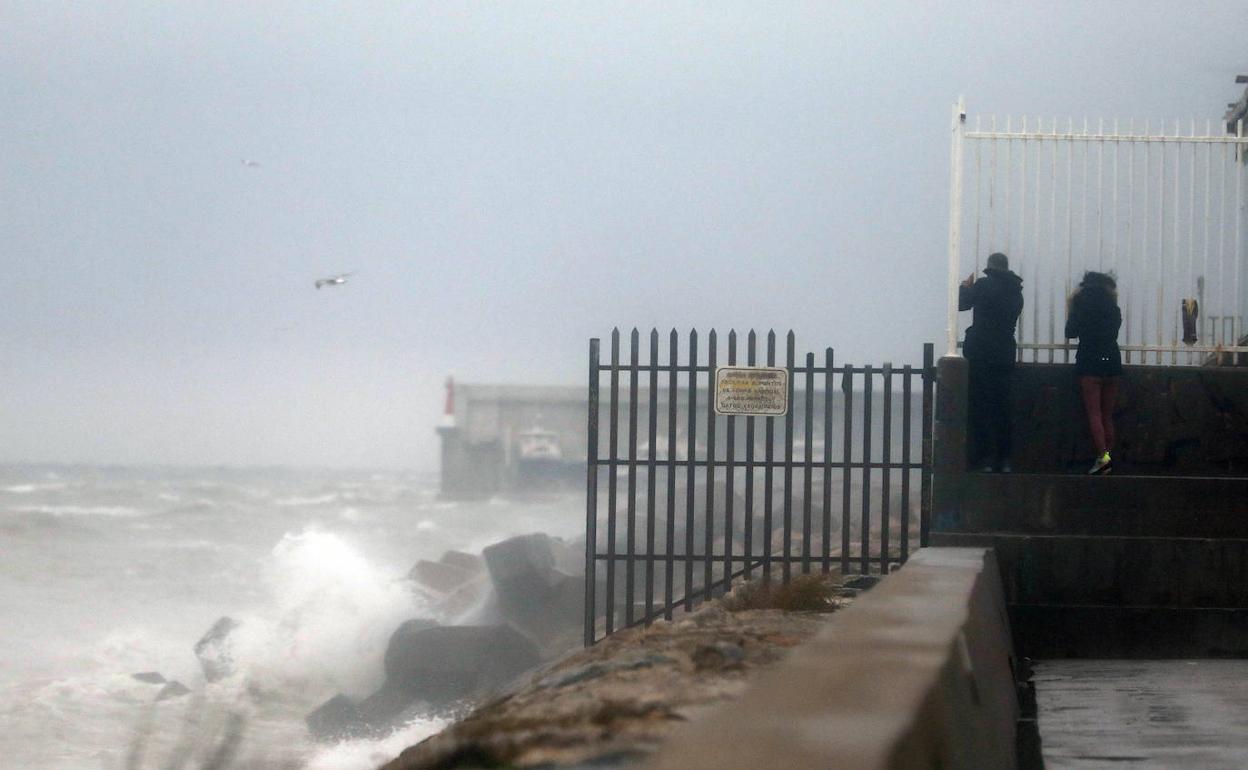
[(804, 593)]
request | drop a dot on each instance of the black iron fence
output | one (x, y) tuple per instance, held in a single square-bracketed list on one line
[(701, 502)]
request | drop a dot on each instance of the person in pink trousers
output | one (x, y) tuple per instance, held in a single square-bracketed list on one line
[(1094, 318)]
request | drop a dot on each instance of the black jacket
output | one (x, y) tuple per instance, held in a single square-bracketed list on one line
[(996, 301), (1094, 318)]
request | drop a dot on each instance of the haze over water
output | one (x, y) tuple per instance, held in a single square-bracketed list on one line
[(505, 180)]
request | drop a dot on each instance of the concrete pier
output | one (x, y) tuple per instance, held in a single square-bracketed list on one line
[(1143, 713)]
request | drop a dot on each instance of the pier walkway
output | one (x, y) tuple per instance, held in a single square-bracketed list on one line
[(1143, 713)]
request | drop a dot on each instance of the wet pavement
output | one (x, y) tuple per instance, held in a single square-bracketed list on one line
[(1143, 713)]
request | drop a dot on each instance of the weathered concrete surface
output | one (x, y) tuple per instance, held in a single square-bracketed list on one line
[(1147, 714), (1119, 571), (1109, 567), (916, 674), (1172, 421), (616, 702), (1101, 631), (1077, 504)]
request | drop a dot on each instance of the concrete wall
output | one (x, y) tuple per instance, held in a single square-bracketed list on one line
[(915, 674), (1148, 562), (1171, 420)]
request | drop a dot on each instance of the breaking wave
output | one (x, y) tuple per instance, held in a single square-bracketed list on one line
[(327, 619), (367, 754)]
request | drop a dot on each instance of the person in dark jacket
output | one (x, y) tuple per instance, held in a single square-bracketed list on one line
[(1093, 316), (996, 301)]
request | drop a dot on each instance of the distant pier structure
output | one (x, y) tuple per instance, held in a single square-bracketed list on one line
[(504, 439), (520, 439)]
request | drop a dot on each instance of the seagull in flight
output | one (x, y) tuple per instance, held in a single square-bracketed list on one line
[(335, 280), (249, 163)]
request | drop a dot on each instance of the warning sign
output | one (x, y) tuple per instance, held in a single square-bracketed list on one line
[(752, 391)]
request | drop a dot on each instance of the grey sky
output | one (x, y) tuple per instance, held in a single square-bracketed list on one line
[(507, 180)]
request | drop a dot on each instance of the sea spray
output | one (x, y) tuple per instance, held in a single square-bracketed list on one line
[(96, 598), (325, 625), (367, 754)]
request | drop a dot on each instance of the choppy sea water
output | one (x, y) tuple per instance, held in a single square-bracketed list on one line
[(105, 572)]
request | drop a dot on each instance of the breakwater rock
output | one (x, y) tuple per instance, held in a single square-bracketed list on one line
[(213, 650), (614, 703), (500, 614)]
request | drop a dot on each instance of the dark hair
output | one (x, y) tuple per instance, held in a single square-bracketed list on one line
[(1105, 280)]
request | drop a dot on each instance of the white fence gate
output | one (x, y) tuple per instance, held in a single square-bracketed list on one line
[(1162, 209)]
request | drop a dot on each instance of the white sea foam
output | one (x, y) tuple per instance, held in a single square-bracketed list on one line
[(299, 502), (368, 754), (80, 510), (26, 489), (327, 620)]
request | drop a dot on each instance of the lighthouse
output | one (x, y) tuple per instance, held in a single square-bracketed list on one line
[(456, 481)]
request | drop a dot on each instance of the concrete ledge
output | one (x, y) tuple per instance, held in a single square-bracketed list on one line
[(1076, 504), (916, 673), (1116, 571), (1048, 632)]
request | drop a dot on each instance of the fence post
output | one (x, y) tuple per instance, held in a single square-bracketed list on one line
[(630, 537), (591, 495), (955, 224), (612, 477)]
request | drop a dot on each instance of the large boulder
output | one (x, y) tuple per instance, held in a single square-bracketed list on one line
[(149, 677), (391, 707), (443, 578), (342, 718), (555, 620), (570, 555), (172, 689), (472, 604), (406, 629), (442, 664), (523, 568), (465, 561), (337, 719), (534, 594), (213, 650)]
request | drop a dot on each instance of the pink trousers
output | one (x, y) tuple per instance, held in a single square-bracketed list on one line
[(1099, 395)]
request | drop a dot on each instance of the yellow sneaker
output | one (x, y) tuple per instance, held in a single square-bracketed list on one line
[(1101, 465)]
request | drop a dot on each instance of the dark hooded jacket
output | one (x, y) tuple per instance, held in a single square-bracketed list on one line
[(996, 301), (1094, 317)]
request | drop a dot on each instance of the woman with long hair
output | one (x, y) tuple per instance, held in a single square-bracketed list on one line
[(1093, 316)]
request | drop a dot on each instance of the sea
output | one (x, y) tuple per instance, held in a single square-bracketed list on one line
[(106, 572)]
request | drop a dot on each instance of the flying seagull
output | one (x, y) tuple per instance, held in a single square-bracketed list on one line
[(249, 163), (335, 280)]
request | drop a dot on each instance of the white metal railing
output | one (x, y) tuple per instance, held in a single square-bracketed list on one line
[(1163, 209)]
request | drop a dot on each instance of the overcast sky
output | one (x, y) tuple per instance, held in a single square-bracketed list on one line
[(506, 179)]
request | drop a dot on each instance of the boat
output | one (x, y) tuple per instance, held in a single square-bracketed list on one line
[(540, 462)]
